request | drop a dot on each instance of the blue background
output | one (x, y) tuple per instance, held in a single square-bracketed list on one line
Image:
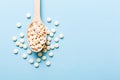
[(90, 50)]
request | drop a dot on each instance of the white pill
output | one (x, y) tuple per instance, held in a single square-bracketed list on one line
[(21, 35), (31, 61), (48, 43), (49, 19), (44, 58), (52, 47), (53, 30), (51, 54), (29, 52), (18, 25), (21, 45), (48, 48), (36, 65), (56, 23), (22, 40), (51, 34), (28, 15), (38, 60), (17, 44), (61, 36), (44, 50), (56, 45), (25, 46), (40, 54), (49, 38), (24, 56), (56, 40), (15, 51), (14, 39), (48, 63)]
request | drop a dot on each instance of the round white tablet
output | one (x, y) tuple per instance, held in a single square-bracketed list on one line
[(56, 23), (14, 38), (56, 40), (18, 25), (48, 43), (53, 30), (29, 52), (22, 40), (38, 60), (21, 35), (51, 54), (28, 15), (40, 54), (31, 61), (61, 36), (51, 34), (17, 44), (44, 58), (49, 19), (15, 51), (36, 65), (44, 50), (25, 46), (24, 56), (21, 45), (48, 48), (56, 45), (48, 63)]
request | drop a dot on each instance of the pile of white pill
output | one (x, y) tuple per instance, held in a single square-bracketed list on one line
[(52, 42), (36, 35)]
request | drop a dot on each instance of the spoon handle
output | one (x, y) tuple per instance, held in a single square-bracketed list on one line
[(37, 10)]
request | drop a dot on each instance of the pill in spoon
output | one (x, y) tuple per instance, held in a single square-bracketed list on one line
[(36, 33)]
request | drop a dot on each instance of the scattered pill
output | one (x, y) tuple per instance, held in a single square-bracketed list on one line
[(17, 44), (56, 45), (28, 15), (36, 65), (21, 35), (40, 54), (56, 40), (44, 58), (21, 45), (44, 50), (29, 52), (51, 34), (49, 19), (61, 36), (48, 43), (56, 23), (31, 61), (18, 25), (25, 46), (51, 54), (38, 60), (48, 48), (53, 30), (15, 51), (14, 39), (22, 40), (48, 63), (24, 56)]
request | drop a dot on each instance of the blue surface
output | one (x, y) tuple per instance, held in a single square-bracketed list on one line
[(90, 50)]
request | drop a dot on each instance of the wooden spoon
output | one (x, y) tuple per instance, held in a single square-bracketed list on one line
[(36, 33)]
